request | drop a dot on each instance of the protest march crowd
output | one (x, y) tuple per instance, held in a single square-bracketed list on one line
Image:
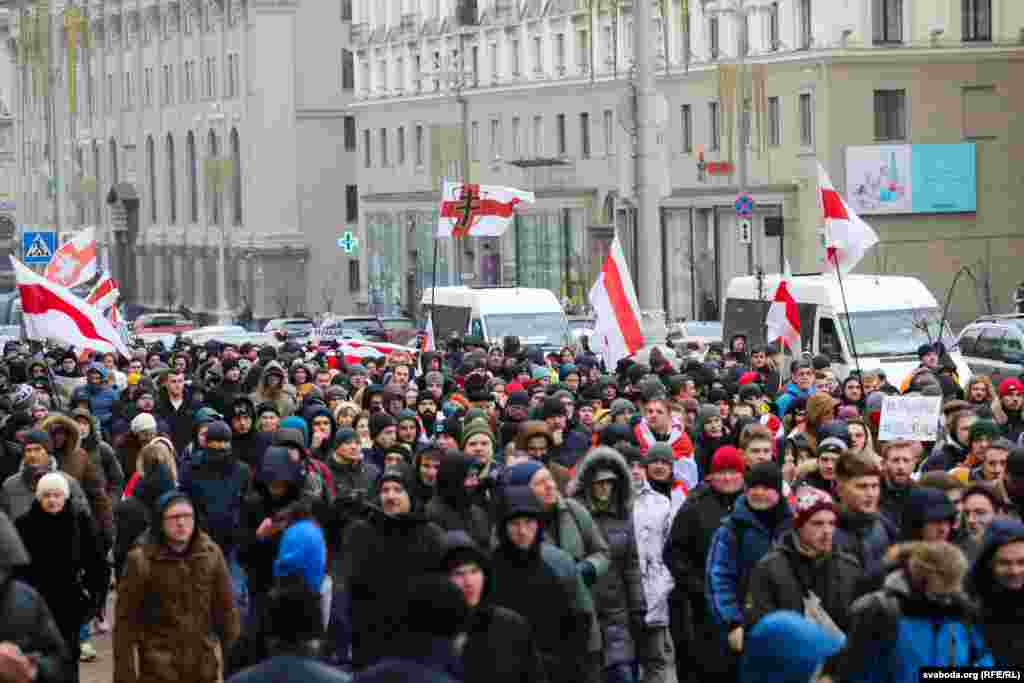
[(497, 514)]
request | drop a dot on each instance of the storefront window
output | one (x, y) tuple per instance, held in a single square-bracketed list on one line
[(384, 259)]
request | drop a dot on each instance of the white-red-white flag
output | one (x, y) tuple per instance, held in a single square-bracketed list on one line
[(616, 310), (783, 321), (105, 293), (75, 261), (52, 312), (429, 342), (847, 237), (478, 210)]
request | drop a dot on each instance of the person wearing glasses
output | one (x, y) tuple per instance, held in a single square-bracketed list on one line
[(174, 602)]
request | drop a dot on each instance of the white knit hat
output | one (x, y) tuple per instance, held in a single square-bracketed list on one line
[(53, 481), (143, 422)]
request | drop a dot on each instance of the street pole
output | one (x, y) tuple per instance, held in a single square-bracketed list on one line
[(648, 275), (744, 122), (222, 285)]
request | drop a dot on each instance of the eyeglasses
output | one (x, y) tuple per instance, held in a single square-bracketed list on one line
[(183, 517)]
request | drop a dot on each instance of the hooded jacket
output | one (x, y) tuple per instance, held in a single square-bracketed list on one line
[(791, 393), (18, 492), (786, 647), (173, 609), (217, 488), (652, 522), (101, 398), (1002, 610), (283, 399), (75, 462), (323, 451), (133, 515), (103, 456), (866, 537), (619, 594), (453, 508)]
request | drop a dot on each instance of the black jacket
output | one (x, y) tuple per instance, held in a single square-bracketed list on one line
[(453, 508), (180, 422), (782, 578), (690, 541), (866, 537), (893, 503), (1002, 611)]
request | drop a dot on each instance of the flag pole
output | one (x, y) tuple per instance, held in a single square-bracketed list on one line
[(849, 323)]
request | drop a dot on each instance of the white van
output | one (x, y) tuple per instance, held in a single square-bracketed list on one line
[(534, 315), (892, 316)]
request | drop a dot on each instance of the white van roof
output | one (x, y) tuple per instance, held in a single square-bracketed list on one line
[(863, 292), (495, 300)]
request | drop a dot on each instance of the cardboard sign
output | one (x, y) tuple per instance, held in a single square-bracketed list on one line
[(915, 418)]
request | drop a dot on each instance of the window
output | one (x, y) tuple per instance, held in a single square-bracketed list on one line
[(351, 202), (417, 74), (151, 168), (346, 10), (538, 55), (367, 151), (806, 120), (399, 74), (353, 275), (514, 50), (585, 135), (492, 50), (231, 77), (560, 52), (474, 63), (110, 92), (147, 87), (382, 77), (115, 176), (887, 17), (890, 115), (560, 135), (129, 89), (774, 123), (211, 76), (213, 147), (384, 147), (419, 145), (350, 133), (474, 140), (495, 139), (686, 120), (977, 19), (172, 182), (517, 143), (983, 112), (713, 37), (773, 27), (193, 177), (805, 25), (538, 136), (745, 123), (400, 146), (609, 132), (583, 51), (187, 20), (715, 127), (236, 177), (168, 85)]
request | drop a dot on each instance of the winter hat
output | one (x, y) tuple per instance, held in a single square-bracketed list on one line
[(218, 431), (659, 452), (39, 437), (718, 395), (143, 422), (750, 391), (567, 369), (475, 428), (1010, 385), (540, 372), (206, 416), (749, 377), (809, 501), (787, 647), (344, 435), (379, 422), (52, 481), (1015, 464), (983, 429), (302, 551), (847, 413), (831, 445), (621, 406), (727, 458), (924, 349), (706, 412), (396, 473), (518, 398), (614, 433), (926, 504), (268, 407), (552, 407), (765, 474), (521, 474)]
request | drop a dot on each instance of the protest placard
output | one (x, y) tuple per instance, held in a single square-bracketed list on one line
[(910, 417)]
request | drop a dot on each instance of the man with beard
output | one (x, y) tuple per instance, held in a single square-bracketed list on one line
[(897, 466), (1011, 397), (710, 433), (517, 411), (426, 408), (997, 580)]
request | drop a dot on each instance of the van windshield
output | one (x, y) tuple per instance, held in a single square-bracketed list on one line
[(896, 333), (531, 328)]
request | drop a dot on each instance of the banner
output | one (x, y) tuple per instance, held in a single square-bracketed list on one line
[(915, 418)]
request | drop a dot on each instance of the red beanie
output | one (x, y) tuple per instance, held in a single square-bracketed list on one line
[(809, 501), (727, 458), (514, 386), (749, 378)]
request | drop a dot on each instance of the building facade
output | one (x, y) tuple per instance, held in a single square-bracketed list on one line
[(753, 95), (204, 138)]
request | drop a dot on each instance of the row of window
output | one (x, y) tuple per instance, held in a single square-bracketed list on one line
[(181, 17), (127, 94)]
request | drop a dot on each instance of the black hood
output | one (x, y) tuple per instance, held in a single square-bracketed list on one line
[(460, 548), (980, 581), (451, 478)]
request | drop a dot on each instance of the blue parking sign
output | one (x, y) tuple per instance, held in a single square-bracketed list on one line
[(38, 247)]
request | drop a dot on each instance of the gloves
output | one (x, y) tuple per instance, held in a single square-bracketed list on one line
[(587, 571)]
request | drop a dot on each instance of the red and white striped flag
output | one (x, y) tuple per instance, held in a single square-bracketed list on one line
[(783, 321), (429, 342), (75, 261), (105, 293), (847, 237), (478, 210), (616, 309), (52, 312)]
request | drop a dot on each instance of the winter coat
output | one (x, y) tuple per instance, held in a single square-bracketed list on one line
[(283, 399), (290, 668), (180, 420), (894, 632), (381, 554), (619, 594), (949, 456), (133, 515), (102, 398), (893, 502), (652, 522), (103, 456), (453, 508), (689, 544), (500, 647), (18, 493), (791, 394), (783, 577), (217, 491), (1002, 611), (736, 548), (75, 462), (866, 537), (26, 621)]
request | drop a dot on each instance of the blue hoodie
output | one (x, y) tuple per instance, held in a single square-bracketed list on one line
[(786, 647), (792, 392), (302, 551), (101, 399)]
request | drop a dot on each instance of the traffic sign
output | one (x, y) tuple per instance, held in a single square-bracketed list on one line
[(744, 205), (38, 247), (745, 234), (348, 242)]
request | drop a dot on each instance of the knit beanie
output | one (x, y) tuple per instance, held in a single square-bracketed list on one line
[(52, 481), (218, 431), (765, 474), (727, 458), (39, 437), (809, 501), (983, 429), (379, 422), (143, 422), (521, 474), (473, 429), (659, 452)]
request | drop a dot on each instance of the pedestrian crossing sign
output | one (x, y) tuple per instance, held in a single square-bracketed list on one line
[(38, 247)]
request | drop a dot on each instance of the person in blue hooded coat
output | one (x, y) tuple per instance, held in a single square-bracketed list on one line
[(101, 396), (787, 647), (997, 581)]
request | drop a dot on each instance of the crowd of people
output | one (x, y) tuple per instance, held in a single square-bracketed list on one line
[(495, 513)]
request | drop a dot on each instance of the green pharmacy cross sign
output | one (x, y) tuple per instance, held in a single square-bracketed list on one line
[(348, 242)]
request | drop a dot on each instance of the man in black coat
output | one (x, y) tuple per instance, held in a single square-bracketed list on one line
[(176, 409), (500, 646), (997, 580)]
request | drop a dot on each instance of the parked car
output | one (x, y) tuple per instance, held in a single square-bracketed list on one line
[(167, 323), (291, 328), (400, 330), (692, 338), (581, 326), (994, 346), (369, 325)]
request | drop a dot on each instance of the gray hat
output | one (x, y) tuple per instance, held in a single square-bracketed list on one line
[(604, 475), (832, 445), (621, 406), (659, 452)]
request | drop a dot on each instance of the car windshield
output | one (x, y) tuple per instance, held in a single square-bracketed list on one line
[(399, 324), (896, 333), (163, 321), (531, 328)]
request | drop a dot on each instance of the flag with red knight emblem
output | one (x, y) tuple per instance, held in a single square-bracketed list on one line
[(469, 210), (847, 237), (75, 262), (105, 293)]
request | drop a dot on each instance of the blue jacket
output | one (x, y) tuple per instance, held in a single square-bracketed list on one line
[(304, 552), (786, 647), (217, 493), (740, 542), (102, 399), (791, 393)]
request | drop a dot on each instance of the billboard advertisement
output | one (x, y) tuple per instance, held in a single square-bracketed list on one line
[(902, 179)]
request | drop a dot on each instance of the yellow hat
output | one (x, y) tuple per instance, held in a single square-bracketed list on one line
[(133, 378)]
